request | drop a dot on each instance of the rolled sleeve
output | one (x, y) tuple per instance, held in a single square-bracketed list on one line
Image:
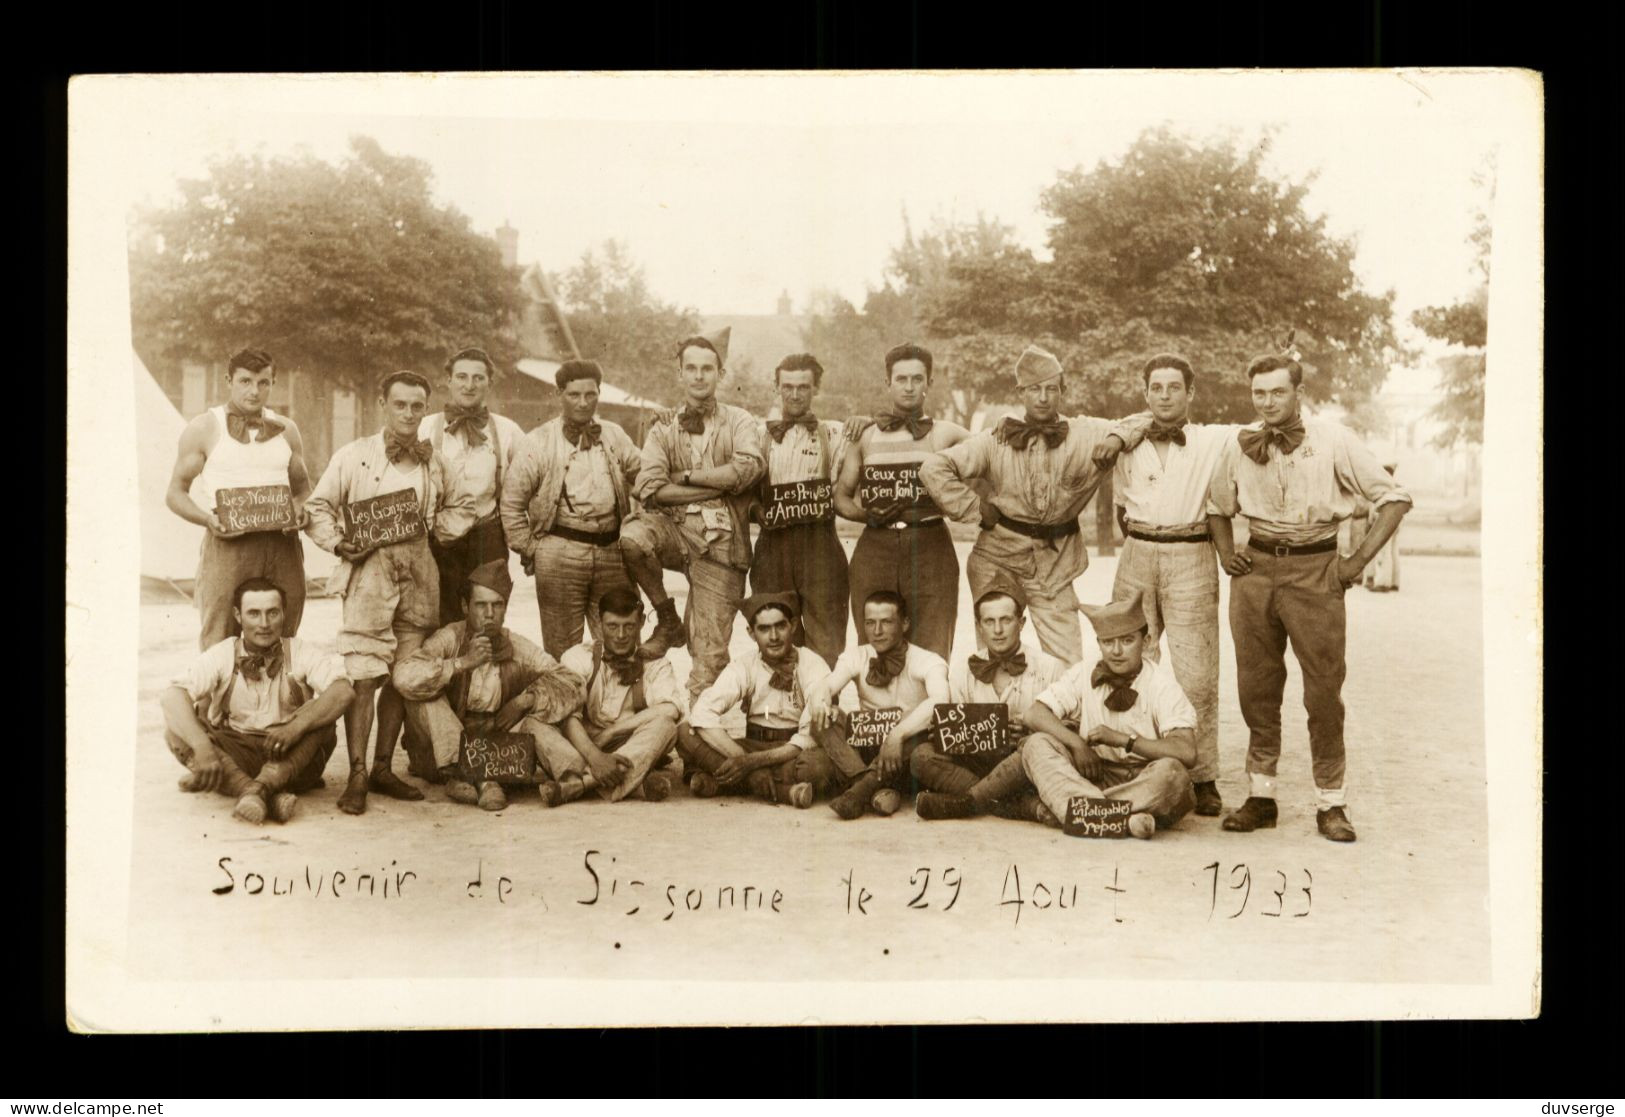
[(1221, 491), (1130, 430), (1172, 710), (717, 699), (943, 475), (319, 670), (208, 674), (654, 464), (1359, 472), (660, 685), (749, 460), (1063, 698), (425, 674)]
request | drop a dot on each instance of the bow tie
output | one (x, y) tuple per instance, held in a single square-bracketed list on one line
[(1159, 433), (254, 666), (470, 421), (778, 427), (692, 421), (574, 432), (1256, 444), (628, 668), (918, 425), (240, 423), (1123, 696), (985, 667), (1018, 434), (887, 665), (784, 671), (400, 448)]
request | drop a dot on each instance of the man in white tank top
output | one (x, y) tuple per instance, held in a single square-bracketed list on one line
[(242, 445), (476, 445)]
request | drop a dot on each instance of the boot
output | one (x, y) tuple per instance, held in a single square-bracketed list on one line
[(354, 799), (941, 804), (1334, 824), (1208, 802), (251, 806), (669, 631), (1255, 814), (852, 802)]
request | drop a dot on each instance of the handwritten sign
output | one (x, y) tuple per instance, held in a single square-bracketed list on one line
[(1087, 817), (972, 728), (895, 481), (868, 728), (258, 508), (382, 520), (798, 502), (503, 757)]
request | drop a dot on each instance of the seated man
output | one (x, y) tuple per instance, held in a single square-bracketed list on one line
[(1138, 729), (627, 718), (1011, 671), (476, 675), (776, 759), (890, 673), (253, 716)]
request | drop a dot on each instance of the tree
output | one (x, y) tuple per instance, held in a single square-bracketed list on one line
[(347, 272), (1464, 324)]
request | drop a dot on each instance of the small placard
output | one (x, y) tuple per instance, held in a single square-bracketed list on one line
[(895, 481), (868, 728), (258, 508), (503, 757), (382, 520), (1087, 817), (798, 502), (972, 728)]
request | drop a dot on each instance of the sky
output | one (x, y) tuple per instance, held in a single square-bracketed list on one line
[(729, 189)]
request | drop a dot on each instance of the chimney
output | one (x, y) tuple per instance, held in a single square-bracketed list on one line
[(508, 242), (784, 304)]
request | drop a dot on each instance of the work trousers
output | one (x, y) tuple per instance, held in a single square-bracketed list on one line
[(390, 607), (456, 560), (1296, 598), (808, 559), (715, 587), (1161, 788), (849, 764), (1053, 612), (244, 759), (1180, 584), (810, 765), (643, 746), (570, 578), (986, 779), (918, 563), (225, 564)]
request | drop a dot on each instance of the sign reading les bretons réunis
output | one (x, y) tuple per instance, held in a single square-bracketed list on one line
[(257, 508), (1088, 817), (892, 482), (382, 520), (868, 728), (503, 757), (972, 728), (798, 502)]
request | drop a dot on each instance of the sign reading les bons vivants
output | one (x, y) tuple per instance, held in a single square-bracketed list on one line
[(503, 757), (382, 520), (257, 508), (798, 502), (1088, 817), (972, 728), (868, 728), (892, 482)]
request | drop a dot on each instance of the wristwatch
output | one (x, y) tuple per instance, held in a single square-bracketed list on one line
[(1133, 739)]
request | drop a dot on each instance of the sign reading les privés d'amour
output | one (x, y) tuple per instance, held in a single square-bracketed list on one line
[(503, 757), (1088, 817), (868, 728), (257, 508), (382, 520), (972, 728), (891, 482), (798, 502)]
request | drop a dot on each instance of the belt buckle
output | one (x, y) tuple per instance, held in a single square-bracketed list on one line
[(1281, 550)]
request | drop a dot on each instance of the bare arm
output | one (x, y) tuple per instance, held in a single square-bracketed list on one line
[(1179, 744), (1224, 542), (180, 718), (189, 458), (919, 718), (1382, 529), (845, 496), (326, 708), (298, 475)]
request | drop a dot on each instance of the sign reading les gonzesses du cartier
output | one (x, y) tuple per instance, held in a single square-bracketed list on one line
[(892, 482), (868, 728), (503, 757), (257, 508), (382, 520), (1088, 817), (972, 728), (798, 502)]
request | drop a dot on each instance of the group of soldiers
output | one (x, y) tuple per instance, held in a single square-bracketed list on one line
[(424, 650)]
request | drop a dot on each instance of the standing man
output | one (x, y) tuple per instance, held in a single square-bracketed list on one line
[(697, 480), (391, 592), (1042, 469), (1010, 672), (1161, 495), (1134, 730), (563, 502), (891, 674), (242, 444), (1294, 480), (797, 550), (476, 445), (776, 760), (905, 548), (252, 718)]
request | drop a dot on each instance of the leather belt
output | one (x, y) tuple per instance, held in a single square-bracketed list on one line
[(595, 538), (1281, 549), (764, 733), (1040, 531), (899, 525), (1202, 538)]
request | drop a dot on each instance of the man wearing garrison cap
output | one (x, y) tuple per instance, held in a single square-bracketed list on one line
[(1041, 470), (566, 495), (1134, 735), (776, 760), (474, 675)]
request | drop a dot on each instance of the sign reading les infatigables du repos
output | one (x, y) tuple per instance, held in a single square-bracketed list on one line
[(382, 520), (1088, 817)]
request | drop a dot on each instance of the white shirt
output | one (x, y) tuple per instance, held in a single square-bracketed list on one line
[(606, 695), (1017, 693), (270, 701), (1172, 493), (1160, 708), (747, 682), (907, 688)]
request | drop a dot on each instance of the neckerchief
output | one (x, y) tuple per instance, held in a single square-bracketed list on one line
[(784, 671), (468, 420), (986, 667), (918, 424), (778, 427), (403, 448), (1018, 434), (628, 668), (1123, 696), (1173, 432), (886, 666), (240, 423), (574, 432), (1256, 444), (255, 666), (692, 421)]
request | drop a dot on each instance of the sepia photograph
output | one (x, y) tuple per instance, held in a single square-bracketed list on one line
[(643, 549)]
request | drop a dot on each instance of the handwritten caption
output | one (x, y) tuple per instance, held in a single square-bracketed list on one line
[(503, 757), (894, 483), (971, 728), (798, 502), (257, 508), (382, 520), (866, 730)]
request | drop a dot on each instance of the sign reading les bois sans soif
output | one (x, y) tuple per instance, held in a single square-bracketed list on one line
[(798, 502), (382, 520), (972, 728), (1087, 817), (257, 508)]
